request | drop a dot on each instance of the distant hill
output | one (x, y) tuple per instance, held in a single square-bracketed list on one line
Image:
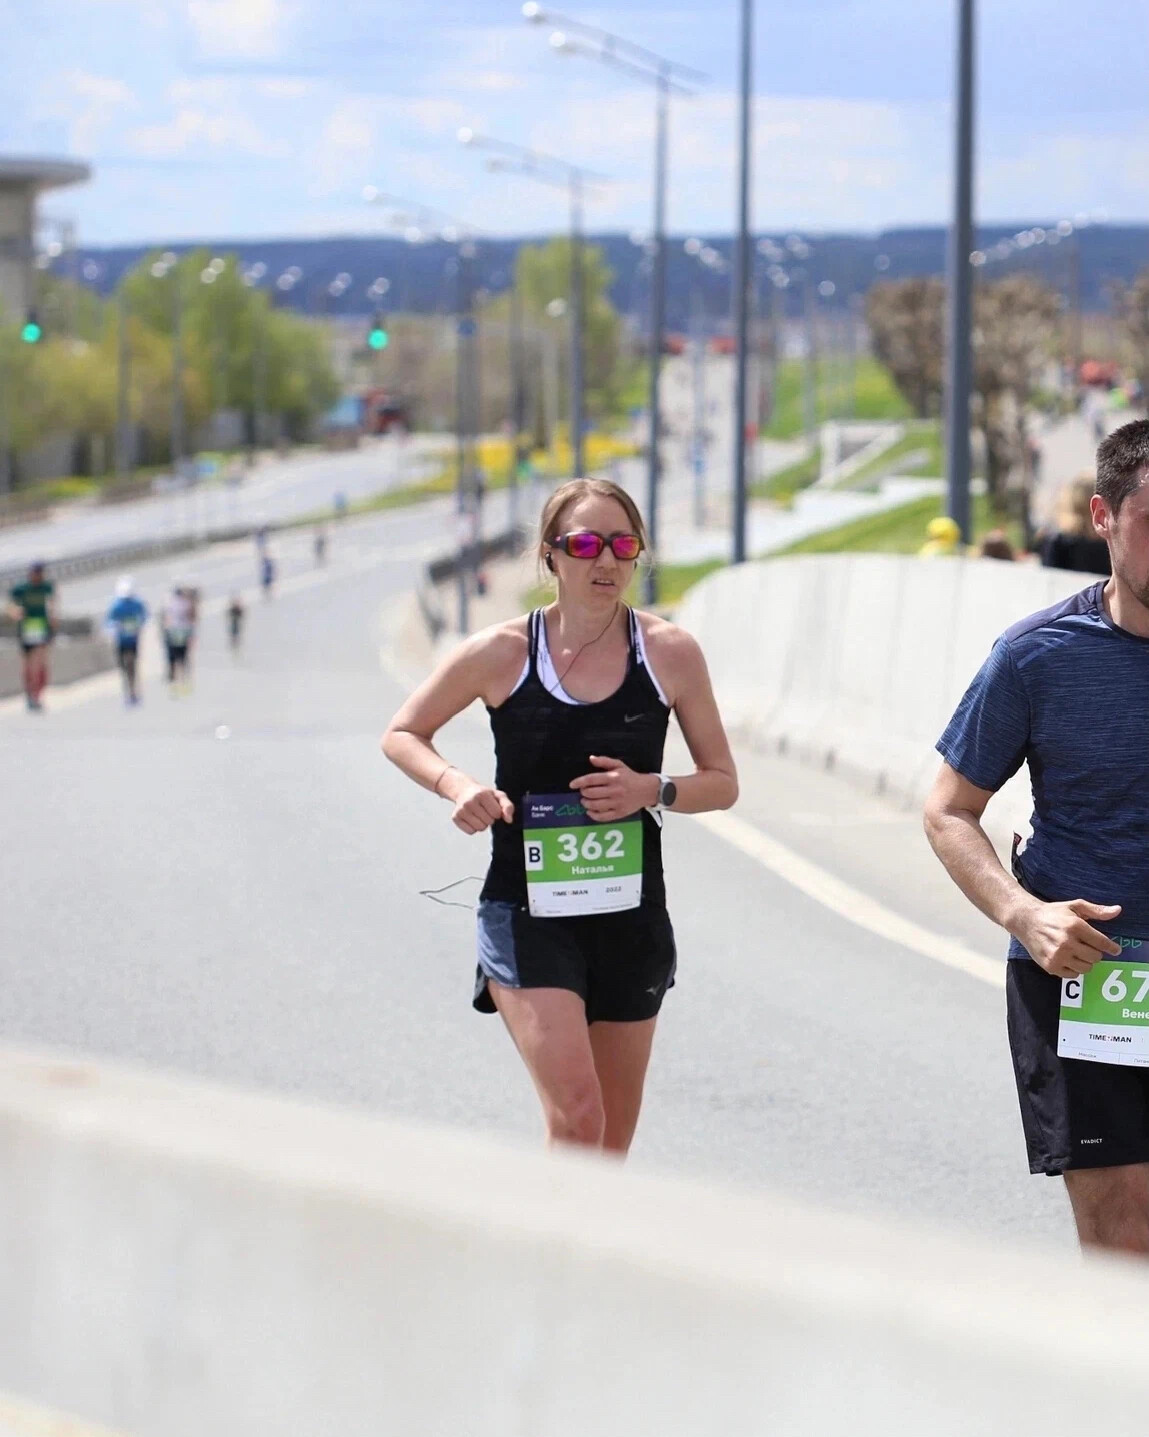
[(422, 280)]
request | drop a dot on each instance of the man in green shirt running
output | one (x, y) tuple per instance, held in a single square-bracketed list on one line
[(33, 606)]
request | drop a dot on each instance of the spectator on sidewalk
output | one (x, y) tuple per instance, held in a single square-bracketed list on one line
[(943, 537), (1075, 544), (995, 545)]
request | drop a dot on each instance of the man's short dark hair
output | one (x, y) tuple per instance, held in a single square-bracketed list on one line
[(1122, 462)]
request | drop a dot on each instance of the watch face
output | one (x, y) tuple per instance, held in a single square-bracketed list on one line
[(669, 793)]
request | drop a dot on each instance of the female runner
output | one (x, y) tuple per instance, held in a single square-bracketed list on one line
[(575, 945)]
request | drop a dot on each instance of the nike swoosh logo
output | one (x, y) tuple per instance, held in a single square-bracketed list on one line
[(631, 718)]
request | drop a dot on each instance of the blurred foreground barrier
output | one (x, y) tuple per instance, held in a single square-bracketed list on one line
[(178, 1260), (857, 661), (75, 655)]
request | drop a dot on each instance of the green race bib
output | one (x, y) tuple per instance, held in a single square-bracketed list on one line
[(576, 866), (34, 631), (1105, 1014)]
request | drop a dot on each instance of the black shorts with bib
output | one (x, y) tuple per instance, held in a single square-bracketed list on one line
[(1076, 1114)]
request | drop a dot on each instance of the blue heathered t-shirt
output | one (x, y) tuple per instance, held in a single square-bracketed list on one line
[(1067, 692), (127, 617)]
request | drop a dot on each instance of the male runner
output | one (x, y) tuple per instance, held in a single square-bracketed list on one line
[(1067, 691), (33, 605), (125, 622)]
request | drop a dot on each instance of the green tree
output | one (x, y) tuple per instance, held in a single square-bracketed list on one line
[(229, 329), (543, 274)]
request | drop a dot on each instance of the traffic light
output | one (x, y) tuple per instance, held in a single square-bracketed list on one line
[(377, 336), (31, 332)]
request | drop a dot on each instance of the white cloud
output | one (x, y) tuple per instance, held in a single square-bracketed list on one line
[(286, 89), (817, 162), (206, 116), (498, 81), (340, 158), (90, 105), (240, 29)]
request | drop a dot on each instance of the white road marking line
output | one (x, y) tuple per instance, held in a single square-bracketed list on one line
[(849, 902)]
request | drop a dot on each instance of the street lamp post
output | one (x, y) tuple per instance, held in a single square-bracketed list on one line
[(518, 408), (546, 169), (578, 328), (123, 387), (707, 259), (665, 76), (466, 508), (179, 442), (251, 278), (742, 280), (468, 485), (958, 363)]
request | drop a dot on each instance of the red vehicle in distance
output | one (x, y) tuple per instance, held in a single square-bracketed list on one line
[(383, 412)]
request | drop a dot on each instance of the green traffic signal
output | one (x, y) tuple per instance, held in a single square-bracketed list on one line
[(377, 339), (31, 332)]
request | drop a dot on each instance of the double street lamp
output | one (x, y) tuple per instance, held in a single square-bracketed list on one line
[(667, 76), (509, 158)]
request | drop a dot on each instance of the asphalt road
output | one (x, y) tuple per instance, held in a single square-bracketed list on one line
[(229, 884), (275, 490)]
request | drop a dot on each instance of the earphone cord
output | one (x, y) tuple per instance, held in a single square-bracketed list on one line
[(560, 677), (433, 893)]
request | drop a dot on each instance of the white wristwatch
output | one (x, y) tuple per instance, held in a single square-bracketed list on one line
[(667, 791)]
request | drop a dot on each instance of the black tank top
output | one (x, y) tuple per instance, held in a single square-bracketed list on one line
[(542, 743)]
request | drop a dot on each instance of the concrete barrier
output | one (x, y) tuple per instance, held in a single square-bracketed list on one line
[(73, 657), (856, 662), (178, 1260)]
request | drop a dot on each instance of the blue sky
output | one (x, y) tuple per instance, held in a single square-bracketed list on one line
[(257, 118)]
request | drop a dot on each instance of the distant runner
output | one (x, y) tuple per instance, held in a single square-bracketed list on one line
[(267, 575), (33, 606), (575, 945), (235, 617), (177, 621), (319, 545), (1067, 691), (125, 622)]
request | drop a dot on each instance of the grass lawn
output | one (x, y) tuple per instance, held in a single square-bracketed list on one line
[(782, 486), (923, 439), (897, 531), (875, 395)]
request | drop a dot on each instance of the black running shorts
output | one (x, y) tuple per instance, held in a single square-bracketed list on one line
[(620, 964), (1075, 1114)]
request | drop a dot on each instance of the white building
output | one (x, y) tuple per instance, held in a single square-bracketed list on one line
[(21, 182)]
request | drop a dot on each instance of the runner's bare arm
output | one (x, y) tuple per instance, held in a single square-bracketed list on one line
[(1056, 935), (714, 782), (483, 667)]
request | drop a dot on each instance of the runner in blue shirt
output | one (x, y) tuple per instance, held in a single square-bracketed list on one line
[(1067, 691), (125, 623)]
